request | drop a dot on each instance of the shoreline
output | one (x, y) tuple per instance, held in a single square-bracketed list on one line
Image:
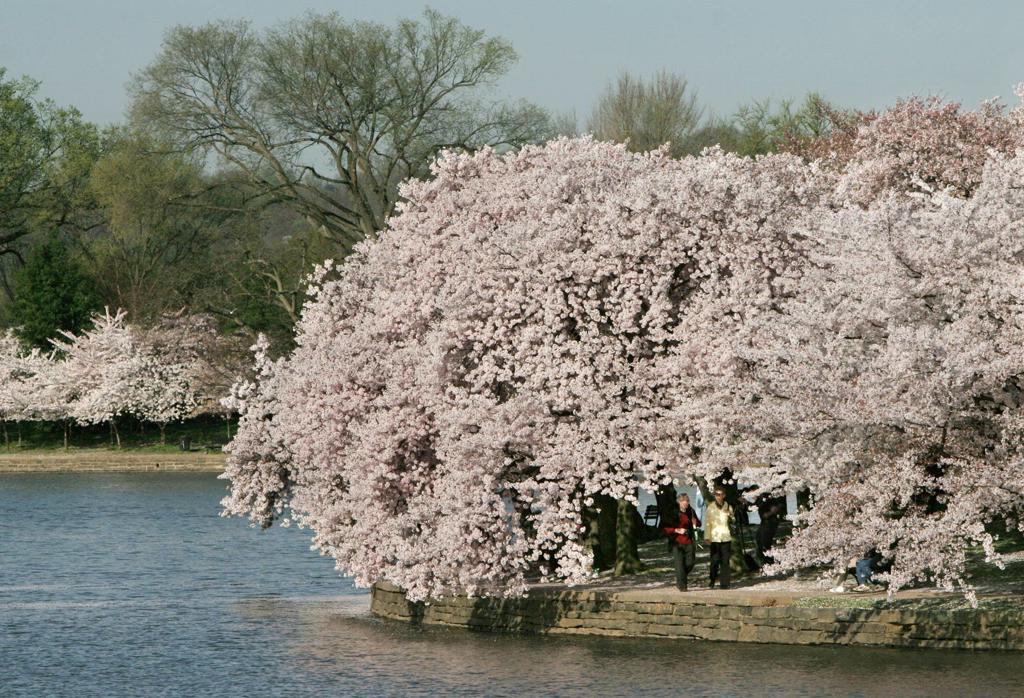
[(109, 460), (736, 615)]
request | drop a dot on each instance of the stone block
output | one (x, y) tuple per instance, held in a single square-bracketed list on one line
[(704, 611), (678, 631), (722, 634), (722, 624), (735, 612), (674, 620), (810, 637), (804, 613)]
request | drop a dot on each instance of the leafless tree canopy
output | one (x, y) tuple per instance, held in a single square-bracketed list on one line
[(327, 115), (647, 114)]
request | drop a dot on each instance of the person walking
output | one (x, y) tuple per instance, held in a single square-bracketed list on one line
[(718, 517), (683, 541)]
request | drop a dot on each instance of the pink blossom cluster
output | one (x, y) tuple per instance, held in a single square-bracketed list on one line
[(924, 145), (891, 383), (468, 382), (539, 327), (21, 392)]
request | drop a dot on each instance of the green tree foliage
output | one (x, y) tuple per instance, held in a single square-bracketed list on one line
[(758, 128), (327, 116), (264, 261), (46, 154), (52, 293), (154, 254), (649, 113)]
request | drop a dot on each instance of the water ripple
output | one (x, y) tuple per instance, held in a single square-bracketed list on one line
[(132, 585)]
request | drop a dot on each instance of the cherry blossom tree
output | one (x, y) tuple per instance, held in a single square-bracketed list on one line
[(166, 373), (47, 394), (18, 371), (918, 145), (259, 464), (890, 383), (160, 392), (464, 387), (10, 380), (100, 369), (191, 368), (540, 330)]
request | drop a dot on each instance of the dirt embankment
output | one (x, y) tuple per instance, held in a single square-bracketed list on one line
[(104, 460)]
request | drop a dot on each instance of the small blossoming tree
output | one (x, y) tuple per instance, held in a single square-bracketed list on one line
[(102, 369)]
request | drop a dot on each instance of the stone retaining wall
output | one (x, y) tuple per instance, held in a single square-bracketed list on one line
[(102, 460), (709, 616)]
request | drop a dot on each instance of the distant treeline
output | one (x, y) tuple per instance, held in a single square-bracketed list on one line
[(249, 156)]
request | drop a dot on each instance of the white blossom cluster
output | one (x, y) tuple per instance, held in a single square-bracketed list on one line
[(110, 370), (465, 384), (540, 327)]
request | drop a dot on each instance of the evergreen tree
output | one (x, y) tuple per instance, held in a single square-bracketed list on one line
[(51, 293)]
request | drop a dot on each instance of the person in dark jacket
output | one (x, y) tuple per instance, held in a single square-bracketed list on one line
[(683, 541), (770, 511)]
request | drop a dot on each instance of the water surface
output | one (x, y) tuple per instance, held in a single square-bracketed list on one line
[(131, 585)]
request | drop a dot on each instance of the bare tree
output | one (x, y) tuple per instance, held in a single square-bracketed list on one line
[(648, 114), (326, 115), (565, 124)]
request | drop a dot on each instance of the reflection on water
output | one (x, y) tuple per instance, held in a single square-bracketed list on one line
[(430, 661), (131, 585)]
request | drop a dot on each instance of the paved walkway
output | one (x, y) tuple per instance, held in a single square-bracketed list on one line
[(657, 583)]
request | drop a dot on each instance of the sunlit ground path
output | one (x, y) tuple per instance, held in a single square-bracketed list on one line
[(791, 610), (811, 587)]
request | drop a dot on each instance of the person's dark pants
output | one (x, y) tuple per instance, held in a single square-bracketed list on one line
[(685, 557), (720, 553), (866, 567), (766, 538)]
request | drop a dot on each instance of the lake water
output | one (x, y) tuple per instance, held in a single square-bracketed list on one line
[(131, 585)]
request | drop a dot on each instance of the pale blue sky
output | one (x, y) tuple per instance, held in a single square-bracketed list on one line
[(863, 54)]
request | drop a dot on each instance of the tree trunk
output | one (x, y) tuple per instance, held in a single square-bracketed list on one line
[(67, 429), (600, 522), (227, 423), (163, 434), (627, 528), (116, 433), (7, 441), (668, 505), (741, 543), (19, 433), (705, 491), (668, 510)]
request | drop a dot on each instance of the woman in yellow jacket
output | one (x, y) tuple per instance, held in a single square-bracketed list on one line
[(717, 520)]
